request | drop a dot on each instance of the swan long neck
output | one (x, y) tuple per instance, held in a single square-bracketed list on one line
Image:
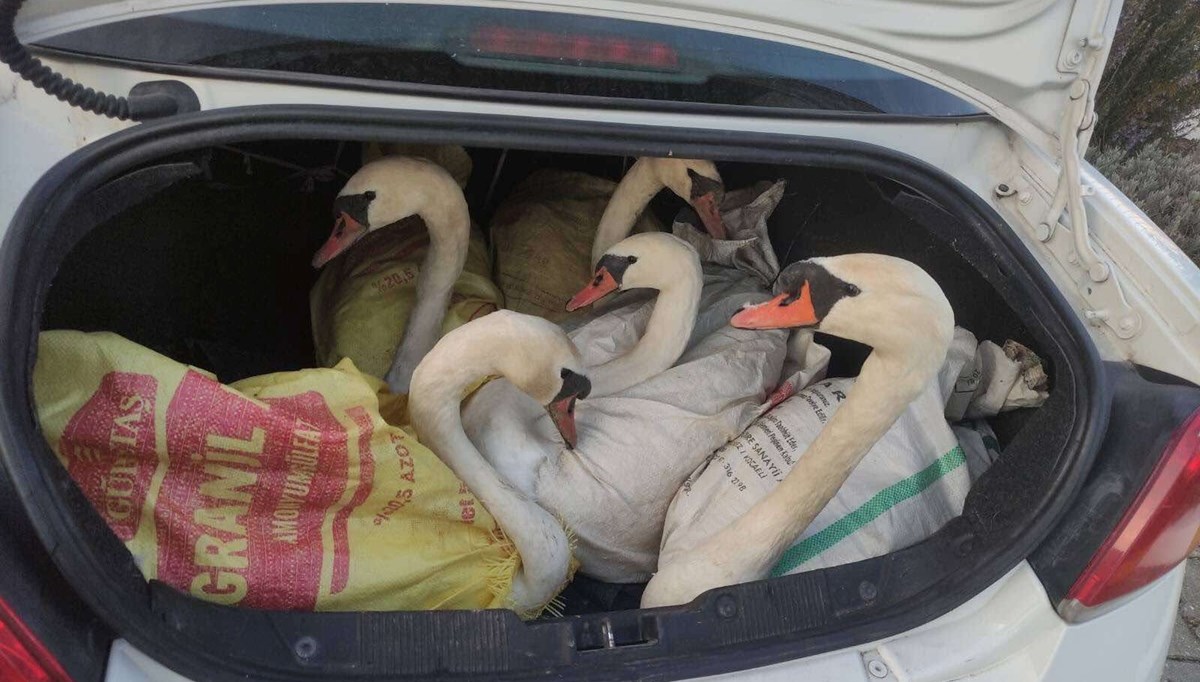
[(884, 389), (449, 225), (666, 336), (627, 203), (435, 410)]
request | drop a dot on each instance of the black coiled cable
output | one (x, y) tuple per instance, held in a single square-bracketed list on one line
[(13, 53)]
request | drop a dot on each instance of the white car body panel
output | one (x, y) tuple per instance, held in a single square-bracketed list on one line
[(967, 47), (1007, 633)]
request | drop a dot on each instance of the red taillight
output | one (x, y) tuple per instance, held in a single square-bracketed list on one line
[(22, 656), (505, 41), (1156, 533)]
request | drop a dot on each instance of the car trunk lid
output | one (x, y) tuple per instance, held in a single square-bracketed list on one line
[(1023, 61)]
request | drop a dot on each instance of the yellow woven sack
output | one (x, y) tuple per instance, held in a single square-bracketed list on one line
[(285, 491), (362, 299), (452, 157), (542, 235)]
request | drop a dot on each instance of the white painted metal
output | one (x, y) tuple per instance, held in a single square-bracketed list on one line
[(128, 664), (1148, 310), (1008, 633), (1078, 117), (1015, 58), (1130, 643)]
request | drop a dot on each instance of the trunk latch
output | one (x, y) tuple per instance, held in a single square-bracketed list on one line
[(615, 631)]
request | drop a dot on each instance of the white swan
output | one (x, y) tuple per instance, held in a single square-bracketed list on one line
[(649, 421), (670, 267), (504, 427), (536, 357), (885, 302), (388, 190), (695, 181)]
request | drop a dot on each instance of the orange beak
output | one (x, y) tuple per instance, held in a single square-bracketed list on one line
[(602, 285), (706, 208), (346, 231), (782, 312), (562, 413)]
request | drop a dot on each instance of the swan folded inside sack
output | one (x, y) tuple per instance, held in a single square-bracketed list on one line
[(847, 468), (534, 358), (887, 303), (402, 266), (671, 381), (912, 482), (285, 491)]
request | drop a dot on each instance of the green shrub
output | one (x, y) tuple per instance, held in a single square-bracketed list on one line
[(1165, 184), (1152, 80)]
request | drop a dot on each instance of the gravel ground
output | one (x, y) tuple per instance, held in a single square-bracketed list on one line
[(1183, 662)]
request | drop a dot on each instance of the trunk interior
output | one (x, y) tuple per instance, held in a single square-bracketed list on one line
[(213, 270), (207, 259)]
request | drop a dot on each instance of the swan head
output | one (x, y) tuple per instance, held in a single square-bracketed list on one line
[(532, 353), (537, 357), (561, 407), (649, 260), (383, 192), (697, 182), (882, 301)]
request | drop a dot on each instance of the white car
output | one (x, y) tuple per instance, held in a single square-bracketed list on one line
[(948, 133)]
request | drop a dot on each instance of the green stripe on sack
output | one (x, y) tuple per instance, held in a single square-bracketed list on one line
[(870, 510)]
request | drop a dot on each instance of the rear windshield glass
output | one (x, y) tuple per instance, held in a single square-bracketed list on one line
[(512, 50)]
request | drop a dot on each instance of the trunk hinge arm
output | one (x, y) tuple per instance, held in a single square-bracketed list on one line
[(1103, 302), (1063, 231), (1077, 119)]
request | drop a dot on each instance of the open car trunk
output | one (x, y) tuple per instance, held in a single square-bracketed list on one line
[(195, 240)]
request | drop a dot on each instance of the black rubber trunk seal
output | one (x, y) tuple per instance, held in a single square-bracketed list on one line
[(734, 628)]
